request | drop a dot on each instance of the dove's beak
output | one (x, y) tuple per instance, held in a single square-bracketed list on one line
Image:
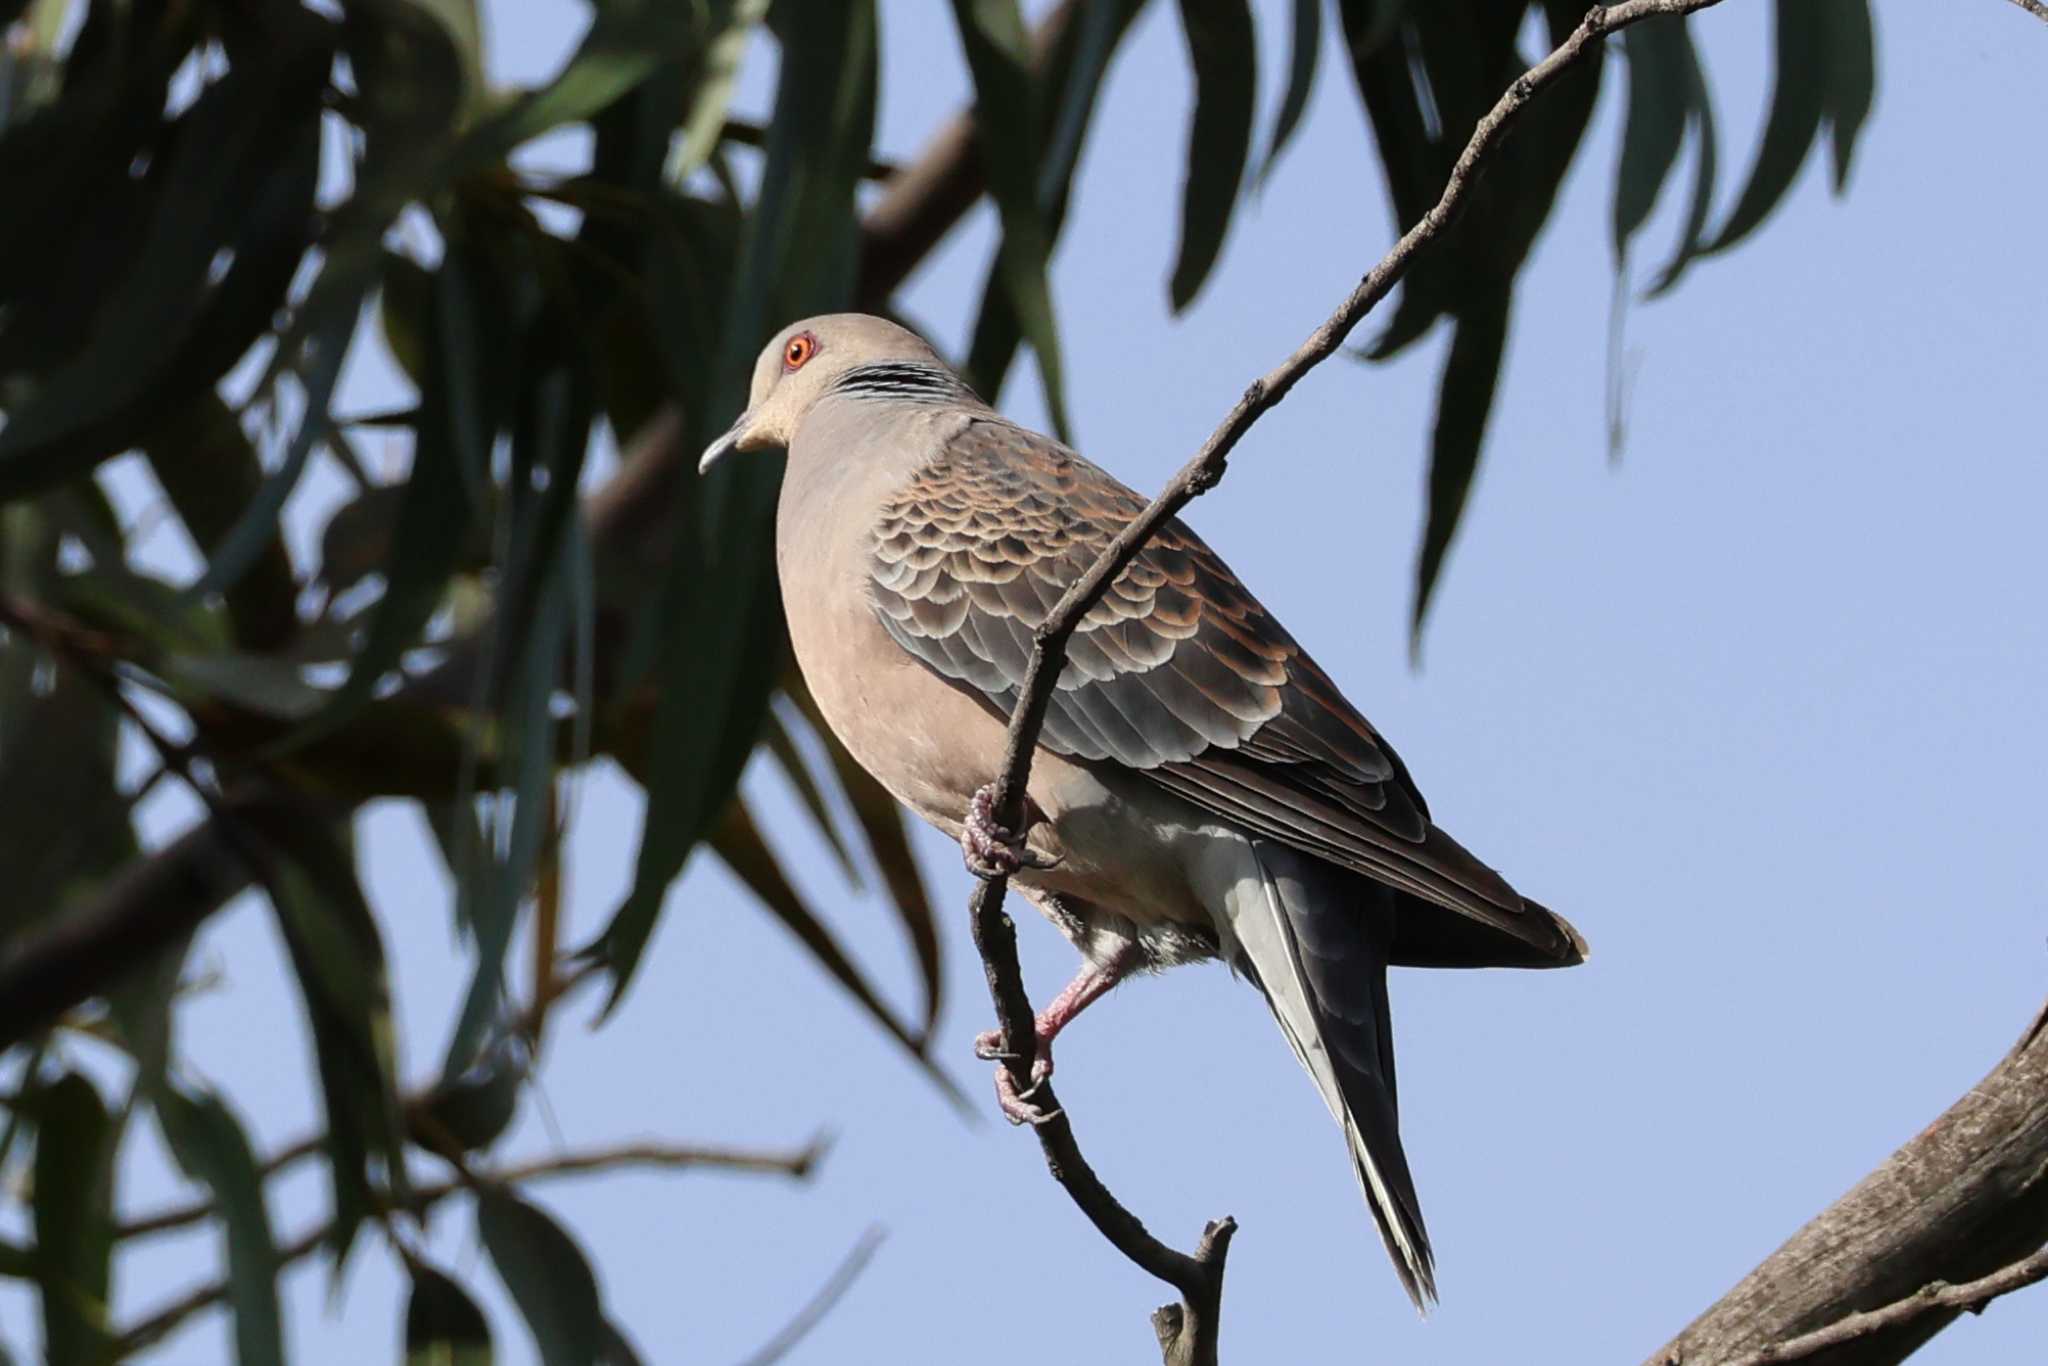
[(726, 444)]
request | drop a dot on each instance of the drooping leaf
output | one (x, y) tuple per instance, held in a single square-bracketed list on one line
[(715, 624), (782, 748), (1851, 78), (737, 842), (323, 349), (161, 331), (73, 1218), (1414, 160), (1301, 80), (338, 957), (881, 822), (1006, 123), (66, 821), (440, 499), (210, 1146), (1464, 402), (1706, 152), (1222, 48), (443, 1326), (491, 910), (618, 1348), (703, 125), (547, 1276), (1074, 80), (210, 471), (1799, 99), (1658, 56)]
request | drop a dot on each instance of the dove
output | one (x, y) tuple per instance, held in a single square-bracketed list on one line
[(1201, 789)]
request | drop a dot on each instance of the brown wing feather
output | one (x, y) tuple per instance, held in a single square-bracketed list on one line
[(1178, 673)]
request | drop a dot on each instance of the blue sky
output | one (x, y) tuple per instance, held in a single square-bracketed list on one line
[(1758, 708)]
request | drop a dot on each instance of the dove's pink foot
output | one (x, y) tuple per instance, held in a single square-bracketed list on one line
[(993, 850), (1088, 986)]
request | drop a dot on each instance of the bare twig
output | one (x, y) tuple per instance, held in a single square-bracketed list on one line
[(1971, 1296), (2035, 8), (1199, 1278), (819, 1304), (152, 1327)]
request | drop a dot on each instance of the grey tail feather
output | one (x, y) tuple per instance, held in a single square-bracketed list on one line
[(1320, 958)]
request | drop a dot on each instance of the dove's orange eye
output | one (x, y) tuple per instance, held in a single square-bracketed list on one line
[(800, 349)]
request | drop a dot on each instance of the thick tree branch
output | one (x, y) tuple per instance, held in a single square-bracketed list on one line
[(1187, 1331), (1893, 1262)]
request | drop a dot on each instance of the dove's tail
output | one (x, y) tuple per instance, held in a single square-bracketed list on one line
[(1320, 957)]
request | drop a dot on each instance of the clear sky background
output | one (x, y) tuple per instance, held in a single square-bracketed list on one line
[(1759, 708)]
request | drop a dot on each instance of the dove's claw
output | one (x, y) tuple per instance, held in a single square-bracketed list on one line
[(994, 850), (1017, 1106)]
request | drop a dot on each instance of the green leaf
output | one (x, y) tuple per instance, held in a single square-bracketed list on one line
[(629, 41), (1851, 77), (547, 1276), (318, 366), (1700, 110), (782, 748), (1659, 56), (1464, 402), (443, 1326), (243, 159), (1222, 47), (718, 604), (338, 956), (477, 1106), (737, 842), (73, 1218), (492, 911), (704, 123), (881, 822), (440, 498), (1074, 77), (1301, 80), (618, 1348), (66, 821), (211, 1148), (992, 36), (210, 471), (1799, 98)]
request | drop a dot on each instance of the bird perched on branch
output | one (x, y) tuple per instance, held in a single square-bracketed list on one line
[(1200, 790)]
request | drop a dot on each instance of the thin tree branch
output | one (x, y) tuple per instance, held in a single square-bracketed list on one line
[(1955, 1216), (2035, 8), (154, 1326), (820, 1304), (1199, 1278), (1971, 1296)]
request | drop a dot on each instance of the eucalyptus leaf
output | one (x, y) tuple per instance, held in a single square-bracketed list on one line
[(209, 1145), (1301, 80), (1005, 99), (443, 1326), (547, 1276), (74, 1222), (1223, 49)]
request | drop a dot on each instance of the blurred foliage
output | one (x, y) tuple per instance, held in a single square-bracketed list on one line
[(212, 204)]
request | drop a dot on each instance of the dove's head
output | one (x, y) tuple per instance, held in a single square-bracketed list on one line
[(850, 354)]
